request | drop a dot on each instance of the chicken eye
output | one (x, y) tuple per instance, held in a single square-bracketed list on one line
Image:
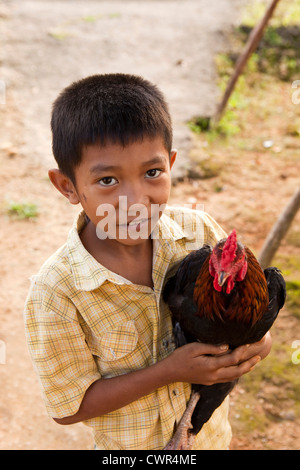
[(154, 173), (107, 181)]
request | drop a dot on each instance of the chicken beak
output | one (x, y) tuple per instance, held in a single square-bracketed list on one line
[(222, 278)]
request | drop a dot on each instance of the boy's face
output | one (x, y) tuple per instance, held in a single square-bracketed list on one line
[(121, 188)]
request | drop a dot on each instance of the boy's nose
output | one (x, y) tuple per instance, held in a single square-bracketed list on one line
[(135, 195)]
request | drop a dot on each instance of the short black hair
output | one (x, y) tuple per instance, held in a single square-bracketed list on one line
[(110, 108)]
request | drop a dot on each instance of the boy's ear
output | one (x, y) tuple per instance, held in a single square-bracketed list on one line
[(64, 185), (173, 156)]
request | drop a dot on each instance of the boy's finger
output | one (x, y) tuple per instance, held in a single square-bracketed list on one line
[(243, 353), (233, 358), (235, 372), (209, 349)]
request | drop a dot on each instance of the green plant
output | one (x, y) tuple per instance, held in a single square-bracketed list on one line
[(22, 210)]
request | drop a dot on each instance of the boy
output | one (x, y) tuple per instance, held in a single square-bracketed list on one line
[(98, 331)]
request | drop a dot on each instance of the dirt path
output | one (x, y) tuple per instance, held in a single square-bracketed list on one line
[(48, 44), (45, 46)]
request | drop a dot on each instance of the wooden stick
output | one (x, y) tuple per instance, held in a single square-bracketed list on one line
[(250, 47), (279, 230)]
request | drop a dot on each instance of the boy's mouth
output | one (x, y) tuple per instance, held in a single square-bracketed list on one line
[(134, 223)]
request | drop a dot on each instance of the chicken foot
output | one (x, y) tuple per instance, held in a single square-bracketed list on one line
[(183, 439)]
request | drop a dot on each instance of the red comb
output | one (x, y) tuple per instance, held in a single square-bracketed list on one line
[(229, 251)]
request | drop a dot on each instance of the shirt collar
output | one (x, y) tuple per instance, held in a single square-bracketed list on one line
[(89, 274)]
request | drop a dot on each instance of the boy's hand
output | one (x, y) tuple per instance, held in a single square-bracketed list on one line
[(208, 364)]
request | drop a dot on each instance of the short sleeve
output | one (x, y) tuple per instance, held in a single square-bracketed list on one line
[(62, 360)]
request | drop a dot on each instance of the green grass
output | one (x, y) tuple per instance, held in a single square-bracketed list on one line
[(287, 12), (278, 369), (229, 125), (22, 210), (91, 18), (293, 297), (277, 56), (60, 35), (94, 18), (248, 419)]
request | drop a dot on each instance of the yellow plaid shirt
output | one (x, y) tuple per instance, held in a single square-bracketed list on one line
[(84, 322)]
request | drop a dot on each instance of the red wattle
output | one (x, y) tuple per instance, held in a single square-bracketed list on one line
[(230, 285), (216, 284)]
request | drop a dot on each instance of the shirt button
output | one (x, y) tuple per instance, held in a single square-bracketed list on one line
[(165, 343), (175, 392)]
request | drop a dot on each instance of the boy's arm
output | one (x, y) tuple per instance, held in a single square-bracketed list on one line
[(193, 363)]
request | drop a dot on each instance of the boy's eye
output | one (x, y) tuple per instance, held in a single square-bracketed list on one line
[(108, 181), (153, 173)]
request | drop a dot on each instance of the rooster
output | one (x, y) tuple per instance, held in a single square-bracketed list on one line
[(219, 295)]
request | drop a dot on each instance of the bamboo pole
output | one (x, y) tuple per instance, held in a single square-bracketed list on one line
[(250, 47)]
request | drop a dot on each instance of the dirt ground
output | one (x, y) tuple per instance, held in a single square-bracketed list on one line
[(45, 46)]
